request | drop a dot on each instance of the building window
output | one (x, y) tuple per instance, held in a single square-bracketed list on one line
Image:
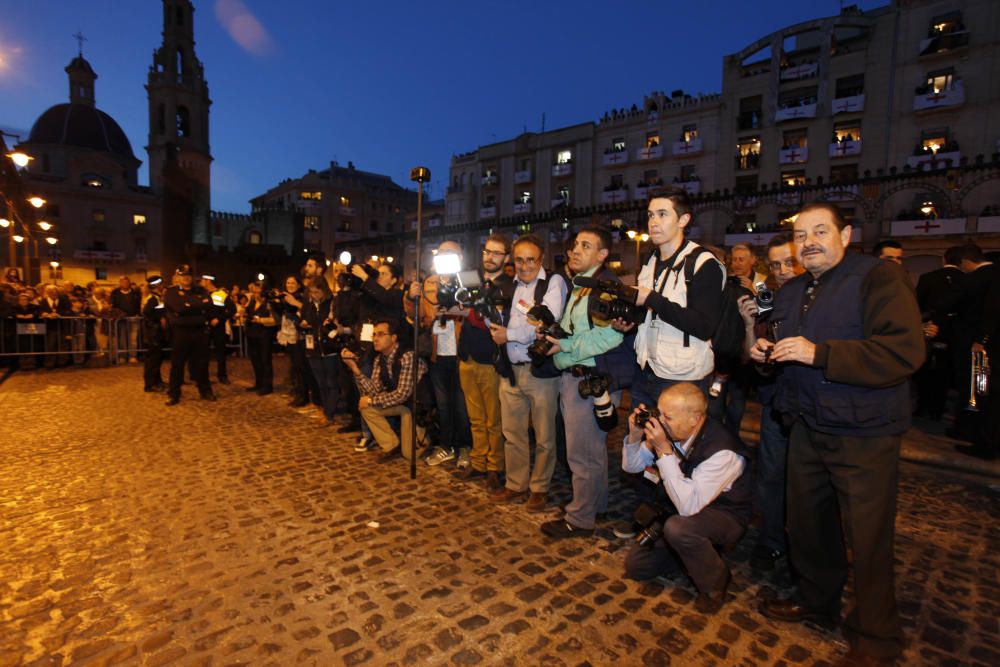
[(750, 113), (140, 250), (843, 173), (618, 145), (183, 122), (524, 197), (946, 24), (746, 185), (932, 141), (345, 201), (100, 273), (373, 225), (688, 173), (689, 133), (97, 215), (847, 131), (564, 157), (563, 193), (311, 223), (793, 178), (161, 119), (138, 219), (99, 246), (748, 153), (939, 81), (95, 181), (617, 181), (652, 139), (795, 139), (525, 164), (315, 196), (849, 86), (254, 237), (46, 163)]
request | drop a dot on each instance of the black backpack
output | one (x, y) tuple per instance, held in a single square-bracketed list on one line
[(730, 332)]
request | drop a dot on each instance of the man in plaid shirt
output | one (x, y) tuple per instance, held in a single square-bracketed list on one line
[(388, 390)]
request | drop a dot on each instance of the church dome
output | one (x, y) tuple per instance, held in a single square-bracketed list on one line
[(82, 126)]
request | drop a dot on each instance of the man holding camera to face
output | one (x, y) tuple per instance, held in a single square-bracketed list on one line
[(588, 408), (849, 337), (702, 467)]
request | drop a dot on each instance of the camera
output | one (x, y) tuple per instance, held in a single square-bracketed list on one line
[(543, 318), (644, 415), (613, 301), (651, 518), (596, 385), (342, 342), (764, 298), (348, 279)]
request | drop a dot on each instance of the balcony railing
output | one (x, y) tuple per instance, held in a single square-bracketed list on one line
[(793, 155), (928, 100), (99, 255), (614, 196), (932, 161), (794, 112), (788, 199), (522, 207), (614, 158), (946, 42), (487, 212), (851, 104), (308, 203), (649, 153), (640, 192), (803, 71), (845, 148), (691, 187), (490, 179), (928, 227), (692, 147), (749, 160), (559, 201), (523, 176), (562, 169), (347, 211)]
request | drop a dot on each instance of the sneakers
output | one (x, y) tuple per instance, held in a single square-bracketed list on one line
[(439, 456), (561, 529), (763, 558), (366, 444), (463, 461)]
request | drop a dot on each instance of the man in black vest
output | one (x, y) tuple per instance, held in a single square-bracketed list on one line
[(188, 308), (702, 466), (939, 295), (849, 337)]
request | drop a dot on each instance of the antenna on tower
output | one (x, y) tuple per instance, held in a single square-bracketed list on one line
[(80, 39)]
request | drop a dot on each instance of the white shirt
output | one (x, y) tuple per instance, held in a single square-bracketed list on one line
[(690, 495), (447, 343), (521, 333)]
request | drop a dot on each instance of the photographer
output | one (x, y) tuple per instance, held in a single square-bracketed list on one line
[(386, 391), (316, 325), (286, 306), (381, 295), (528, 394), (702, 467), (345, 307), (260, 324), (772, 452), (587, 407)]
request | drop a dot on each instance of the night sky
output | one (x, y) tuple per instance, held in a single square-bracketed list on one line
[(387, 85)]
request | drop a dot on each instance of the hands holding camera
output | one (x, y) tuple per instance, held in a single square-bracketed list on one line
[(644, 424), (794, 349)]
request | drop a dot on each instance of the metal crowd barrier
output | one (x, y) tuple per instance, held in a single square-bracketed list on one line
[(83, 340)]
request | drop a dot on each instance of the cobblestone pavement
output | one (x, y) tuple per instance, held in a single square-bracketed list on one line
[(242, 532)]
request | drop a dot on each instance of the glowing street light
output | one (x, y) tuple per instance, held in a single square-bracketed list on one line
[(18, 238), (45, 226), (20, 159), (4, 222), (54, 264), (344, 258), (389, 259), (36, 201), (51, 240)]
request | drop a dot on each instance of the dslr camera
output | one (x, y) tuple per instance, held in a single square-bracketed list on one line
[(465, 290), (612, 300), (644, 415), (651, 519), (348, 279), (596, 385), (543, 318), (764, 298)]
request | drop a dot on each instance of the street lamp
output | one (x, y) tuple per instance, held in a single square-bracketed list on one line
[(639, 238), (45, 226), (36, 201), (20, 159), (51, 240)]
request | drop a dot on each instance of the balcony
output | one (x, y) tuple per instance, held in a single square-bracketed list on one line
[(795, 112), (845, 148), (749, 160), (640, 192), (649, 153), (988, 224), (562, 169), (614, 196), (958, 39), (490, 179), (798, 72), (99, 255), (559, 201), (788, 199), (614, 158), (930, 100), (932, 161), (851, 104), (521, 177), (433, 222), (692, 187), (308, 203), (684, 148), (347, 211), (522, 207), (487, 212), (793, 155), (748, 120), (927, 227)]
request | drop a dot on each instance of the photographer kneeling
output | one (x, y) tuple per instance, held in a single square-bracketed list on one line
[(386, 392), (702, 467)]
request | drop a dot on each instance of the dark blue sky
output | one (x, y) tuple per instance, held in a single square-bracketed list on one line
[(387, 85)]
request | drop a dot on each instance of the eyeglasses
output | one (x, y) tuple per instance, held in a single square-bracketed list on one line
[(379, 334), (494, 253), (790, 263), (528, 261)]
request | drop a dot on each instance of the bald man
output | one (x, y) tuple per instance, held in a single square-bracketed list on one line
[(703, 470)]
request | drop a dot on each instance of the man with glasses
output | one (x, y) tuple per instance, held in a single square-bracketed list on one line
[(528, 395), (386, 391), (771, 456), (478, 375)]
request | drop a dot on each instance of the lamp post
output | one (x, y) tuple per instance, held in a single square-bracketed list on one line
[(639, 238), (421, 175)]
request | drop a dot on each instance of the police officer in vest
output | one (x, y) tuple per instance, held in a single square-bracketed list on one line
[(673, 343), (702, 467), (154, 334), (577, 357), (849, 338), (223, 310), (188, 308)]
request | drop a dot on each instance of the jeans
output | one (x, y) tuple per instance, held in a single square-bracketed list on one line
[(771, 466), (453, 417), (327, 373)]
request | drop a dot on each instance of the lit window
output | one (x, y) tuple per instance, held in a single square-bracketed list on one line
[(748, 146), (316, 196), (312, 222), (847, 131), (794, 139), (254, 237), (940, 81), (564, 192), (793, 178), (652, 139), (525, 197), (564, 157), (618, 144), (688, 173), (689, 132), (345, 201), (97, 215), (138, 219), (100, 273), (373, 225)]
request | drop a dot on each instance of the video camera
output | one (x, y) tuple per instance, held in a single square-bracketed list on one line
[(614, 301), (541, 317), (465, 290), (596, 385)]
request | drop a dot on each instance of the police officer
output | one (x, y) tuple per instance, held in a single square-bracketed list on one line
[(222, 311), (154, 334), (189, 308)]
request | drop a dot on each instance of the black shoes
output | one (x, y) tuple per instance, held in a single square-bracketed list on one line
[(253, 388), (173, 400), (493, 482), (790, 611), (264, 392), (977, 452), (209, 397), (468, 474), (562, 529), (711, 602), (224, 380), (764, 558), (391, 455), (298, 402)]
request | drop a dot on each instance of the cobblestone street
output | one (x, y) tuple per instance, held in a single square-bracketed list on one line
[(244, 532)]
